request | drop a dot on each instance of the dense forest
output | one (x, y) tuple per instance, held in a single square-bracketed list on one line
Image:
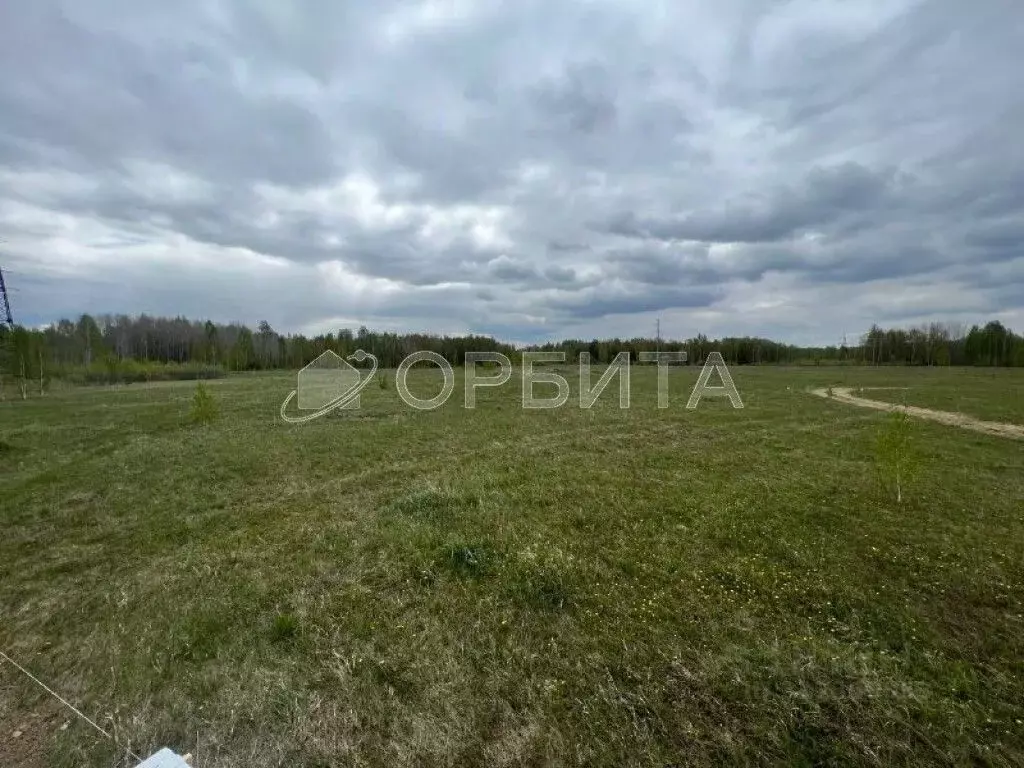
[(123, 349)]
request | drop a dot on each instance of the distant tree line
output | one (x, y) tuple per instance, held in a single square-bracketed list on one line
[(129, 348), (991, 345), (934, 344)]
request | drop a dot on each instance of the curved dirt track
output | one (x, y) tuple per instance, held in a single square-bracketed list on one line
[(843, 395)]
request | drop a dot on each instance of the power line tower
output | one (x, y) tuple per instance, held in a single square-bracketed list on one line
[(6, 333), (7, 304), (657, 335)]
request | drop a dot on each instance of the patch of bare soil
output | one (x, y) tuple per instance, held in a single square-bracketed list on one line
[(845, 395), (25, 734)]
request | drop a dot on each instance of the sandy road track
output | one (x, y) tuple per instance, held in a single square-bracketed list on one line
[(844, 395)]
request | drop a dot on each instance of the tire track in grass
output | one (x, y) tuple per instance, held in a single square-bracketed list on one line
[(1002, 429)]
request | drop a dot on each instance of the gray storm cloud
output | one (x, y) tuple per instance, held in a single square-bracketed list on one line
[(794, 169)]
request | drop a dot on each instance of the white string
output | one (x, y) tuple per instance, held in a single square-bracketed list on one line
[(74, 709)]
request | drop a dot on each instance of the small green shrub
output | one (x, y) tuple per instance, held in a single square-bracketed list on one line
[(204, 407), (382, 381)]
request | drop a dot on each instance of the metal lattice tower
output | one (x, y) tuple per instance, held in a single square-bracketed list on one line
[(6, 333), (6, 302)]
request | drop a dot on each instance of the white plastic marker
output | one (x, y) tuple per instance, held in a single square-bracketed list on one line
[(165, 758)]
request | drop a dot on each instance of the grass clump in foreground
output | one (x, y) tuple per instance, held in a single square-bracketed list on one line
[(500, 586), (285, 627)]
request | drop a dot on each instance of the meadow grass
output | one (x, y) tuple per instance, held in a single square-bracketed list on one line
[(989, 394), (502, 587)]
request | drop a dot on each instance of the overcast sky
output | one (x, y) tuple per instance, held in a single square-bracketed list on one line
[(525, 169)]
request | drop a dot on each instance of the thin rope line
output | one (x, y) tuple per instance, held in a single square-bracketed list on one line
[(70, 706)]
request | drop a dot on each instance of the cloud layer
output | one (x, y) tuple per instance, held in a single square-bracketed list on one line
[(791, 169)]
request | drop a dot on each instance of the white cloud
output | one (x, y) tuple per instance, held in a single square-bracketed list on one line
[(799, 169)]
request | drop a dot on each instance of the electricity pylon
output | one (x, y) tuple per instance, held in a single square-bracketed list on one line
[(6, 302)]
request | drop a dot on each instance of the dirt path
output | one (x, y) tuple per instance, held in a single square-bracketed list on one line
[(843, 395)]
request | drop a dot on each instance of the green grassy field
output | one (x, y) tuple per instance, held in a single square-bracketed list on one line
[(501, 587), (990, 394)]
